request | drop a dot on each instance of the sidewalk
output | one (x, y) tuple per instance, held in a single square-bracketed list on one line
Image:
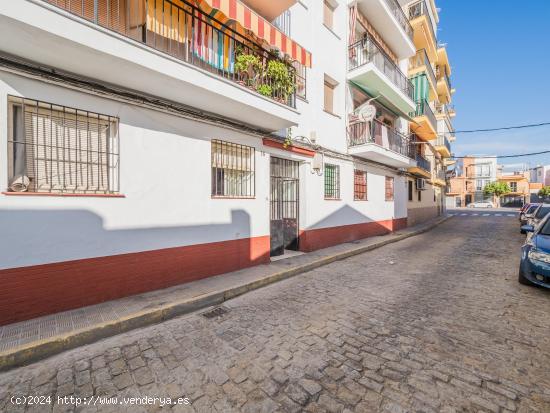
[(32, 340)]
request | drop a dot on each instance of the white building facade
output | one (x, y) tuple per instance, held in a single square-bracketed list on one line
[(142, 142)]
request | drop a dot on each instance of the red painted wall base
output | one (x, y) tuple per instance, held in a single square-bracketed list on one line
[(314, 239), (30, 292)]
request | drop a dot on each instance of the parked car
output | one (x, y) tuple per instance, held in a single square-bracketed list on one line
[(534, 267), (539, 214), (525, 215), (481, 204)]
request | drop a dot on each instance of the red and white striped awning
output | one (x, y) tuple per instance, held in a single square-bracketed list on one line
[(250, 20)]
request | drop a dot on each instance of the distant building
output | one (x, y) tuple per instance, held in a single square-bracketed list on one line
[(540, 174), (473, 173), (468, 183)]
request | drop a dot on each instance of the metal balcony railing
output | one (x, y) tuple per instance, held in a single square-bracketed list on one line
[(421, 59), (283, 22), (401, 17), (443, 141), (423, 163), (443, 75), (423, 109), (361, 133), (420, 8), (183, 31), (367, 51)]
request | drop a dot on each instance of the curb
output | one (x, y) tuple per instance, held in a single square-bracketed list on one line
[(38, 350)]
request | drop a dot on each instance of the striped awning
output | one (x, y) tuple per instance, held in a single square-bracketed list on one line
[(250, 20)]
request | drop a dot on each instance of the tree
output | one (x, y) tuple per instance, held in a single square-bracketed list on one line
[(545, 192), (497, 189)]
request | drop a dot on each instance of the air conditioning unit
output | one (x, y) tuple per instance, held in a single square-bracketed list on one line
[(420, 184)]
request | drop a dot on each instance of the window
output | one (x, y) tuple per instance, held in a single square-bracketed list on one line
[(483, 170), (360, 185), (328, 14), (56, 149), (419, 195), (410, 190), (480, 184), (513, 186), (330, 86), (389, 188), (233, 169), (301, 83), (332, 181)]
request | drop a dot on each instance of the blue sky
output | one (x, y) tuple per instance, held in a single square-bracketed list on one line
[(500, 57)]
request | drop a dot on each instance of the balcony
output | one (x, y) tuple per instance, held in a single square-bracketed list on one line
[(424, 123), (445, 109), (390, 21), (424, 28), (270, 9), (420, 63), (380, 143), (443, 146), (156, 47), (374, 72), (439, 177), (444, 88), (423, 167)]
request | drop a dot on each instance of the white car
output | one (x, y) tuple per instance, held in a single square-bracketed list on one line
[(480, 204)]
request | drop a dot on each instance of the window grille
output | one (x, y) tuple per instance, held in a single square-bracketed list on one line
[(332, 181), (360, 185), (389, 188), (233, 168), (57, 149)]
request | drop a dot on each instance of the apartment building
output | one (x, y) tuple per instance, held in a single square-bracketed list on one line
[(431, 124), (540, 174), (472, 174), (148, 143), (518, 182)]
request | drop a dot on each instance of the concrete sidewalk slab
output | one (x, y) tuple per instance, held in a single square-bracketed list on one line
[(32, 340)]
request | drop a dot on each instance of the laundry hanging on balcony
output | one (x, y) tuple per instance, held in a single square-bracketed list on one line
[(235, 11), (214, 47)]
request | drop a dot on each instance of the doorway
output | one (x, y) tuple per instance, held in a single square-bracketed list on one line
[(284, 204)]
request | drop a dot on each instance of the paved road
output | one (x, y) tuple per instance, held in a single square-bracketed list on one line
[(482, 212), (435, 323)]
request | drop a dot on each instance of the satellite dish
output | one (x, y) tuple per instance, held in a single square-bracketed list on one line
[(367, 113)]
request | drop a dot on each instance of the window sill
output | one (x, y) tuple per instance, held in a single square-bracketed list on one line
[(361, 200), (64, 195), (333, 199), (330, 29), (332, 113)]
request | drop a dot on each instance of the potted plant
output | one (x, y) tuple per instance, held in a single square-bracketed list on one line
[(265, 90), (281, 80), (248, 68)]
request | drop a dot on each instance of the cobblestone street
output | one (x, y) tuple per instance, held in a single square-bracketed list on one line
[(434, 323)]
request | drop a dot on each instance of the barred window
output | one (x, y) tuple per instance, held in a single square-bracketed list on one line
[(360, 185), (389, 188), (57, 149), (233, 168), (332, 181)]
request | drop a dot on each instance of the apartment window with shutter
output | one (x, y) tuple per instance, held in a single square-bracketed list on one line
[(332, 181), (389, 188), (329, 88), (360, 185), (57, 149), (233, 168), (328, 14)]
